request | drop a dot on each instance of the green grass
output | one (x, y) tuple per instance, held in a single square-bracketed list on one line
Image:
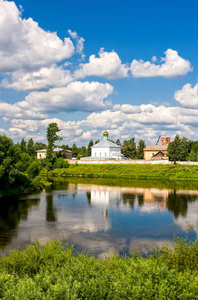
[(130, 171), (55, 272)]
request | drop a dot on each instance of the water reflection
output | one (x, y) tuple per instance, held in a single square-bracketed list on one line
[(11, 213), (100, 217)]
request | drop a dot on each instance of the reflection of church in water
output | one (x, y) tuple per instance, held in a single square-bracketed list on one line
[(126, 198)]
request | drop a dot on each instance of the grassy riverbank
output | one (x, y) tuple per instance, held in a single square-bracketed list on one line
[(136, 171), (54, 272)]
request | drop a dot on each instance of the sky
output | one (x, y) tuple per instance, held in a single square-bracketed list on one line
[(129, 64)]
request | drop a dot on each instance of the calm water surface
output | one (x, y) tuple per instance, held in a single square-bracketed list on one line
[(101, 216)]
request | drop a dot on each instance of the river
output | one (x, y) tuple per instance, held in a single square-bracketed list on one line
[(102, 216)]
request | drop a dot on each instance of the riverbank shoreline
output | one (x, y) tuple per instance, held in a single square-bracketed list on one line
[(128, 171)]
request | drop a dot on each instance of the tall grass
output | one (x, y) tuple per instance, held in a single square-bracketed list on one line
[(130, 171), (54, 272)]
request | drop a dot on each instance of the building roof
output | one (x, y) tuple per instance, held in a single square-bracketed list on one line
[(55, 150), (106, 144), (156, 148)]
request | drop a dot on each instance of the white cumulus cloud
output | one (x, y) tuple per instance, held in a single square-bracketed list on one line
[(23, 44), (76, 96), (107, 65), (188, 96), (44, 78), (172, 66)]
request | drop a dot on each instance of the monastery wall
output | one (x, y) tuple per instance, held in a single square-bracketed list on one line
[(137, 161)]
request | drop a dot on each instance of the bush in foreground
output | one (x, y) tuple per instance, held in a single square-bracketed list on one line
[(54, 272)]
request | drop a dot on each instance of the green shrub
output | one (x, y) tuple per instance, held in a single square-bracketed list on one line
[(54, 272)]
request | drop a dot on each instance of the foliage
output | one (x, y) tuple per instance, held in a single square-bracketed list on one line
[(17, 167), (129, 148), (118, 142), (74, 150), (54, 272), (141, 146), (181, 149), (39, 146), (52, 137), (23, 145), (134, 171), (88, 151), (60, 162), (30, 147)]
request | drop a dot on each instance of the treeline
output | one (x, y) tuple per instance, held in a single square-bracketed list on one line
[(18, 165), (182, 149)]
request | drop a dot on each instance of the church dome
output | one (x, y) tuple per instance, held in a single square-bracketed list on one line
[(105, 133)]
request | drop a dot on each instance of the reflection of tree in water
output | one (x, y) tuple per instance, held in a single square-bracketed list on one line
[(11, 213), (178, 203), (60, 184), (140, 200), (50, 210), (88, 197), (128, 198)]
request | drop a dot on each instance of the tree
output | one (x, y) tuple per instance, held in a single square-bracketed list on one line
[(129, 148), (178, 149), (141, 146), (30, 147), (74, 150), (88, 151), (192, 156), (52, 137), (118, 142), (39, 146), (23, 145)]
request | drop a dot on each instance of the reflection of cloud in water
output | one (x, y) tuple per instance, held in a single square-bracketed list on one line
[(190, 218), (77, 215)]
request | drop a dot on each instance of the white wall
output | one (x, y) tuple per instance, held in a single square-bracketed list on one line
[(100, 152), (41, 155), (117, 150)]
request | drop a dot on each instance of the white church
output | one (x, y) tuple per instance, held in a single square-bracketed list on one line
[(105, 150)]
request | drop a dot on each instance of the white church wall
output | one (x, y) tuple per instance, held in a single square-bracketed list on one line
[(113, 150), (100, 152)]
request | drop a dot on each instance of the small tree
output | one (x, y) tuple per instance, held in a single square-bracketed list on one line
[(88, 151), (30, 147), (52, 137), (74, 150), (23, 145), (141, 146)]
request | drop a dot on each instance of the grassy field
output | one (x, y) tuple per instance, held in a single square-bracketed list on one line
[(55, 272), (160, 171)]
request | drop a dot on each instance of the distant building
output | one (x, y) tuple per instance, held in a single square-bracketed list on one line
[(157, 152), (105, 150), (65, 153)]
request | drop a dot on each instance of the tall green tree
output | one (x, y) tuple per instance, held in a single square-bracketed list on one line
[(52, 137), (141, 146), (88, 151), (178, 149), (129, 148), (74, 150), (23, 145), (30, 147)]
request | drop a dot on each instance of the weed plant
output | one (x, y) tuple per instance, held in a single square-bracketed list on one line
[(54, 272)]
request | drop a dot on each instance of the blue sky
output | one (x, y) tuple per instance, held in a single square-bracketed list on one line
[(129, 64)]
